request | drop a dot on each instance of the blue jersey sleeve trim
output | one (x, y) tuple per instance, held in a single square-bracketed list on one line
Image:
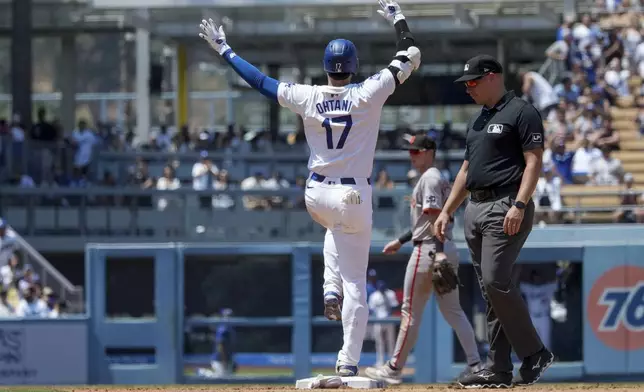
[(267, 86)]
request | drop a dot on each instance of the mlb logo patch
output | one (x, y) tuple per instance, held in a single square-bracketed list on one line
[(536, 138), (495, 128)]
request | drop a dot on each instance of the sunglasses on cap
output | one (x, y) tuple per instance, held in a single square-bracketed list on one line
[(475, 82), (416, 152)]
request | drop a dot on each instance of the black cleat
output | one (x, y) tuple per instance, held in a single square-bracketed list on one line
[(533, 368), (485, 379)]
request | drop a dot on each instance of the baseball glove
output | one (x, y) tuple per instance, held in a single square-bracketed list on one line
[(444, 278)]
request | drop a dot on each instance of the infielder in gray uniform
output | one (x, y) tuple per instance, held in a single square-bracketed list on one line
[(427, 200)]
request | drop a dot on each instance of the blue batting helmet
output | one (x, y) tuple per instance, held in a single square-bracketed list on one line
[(341, 56)]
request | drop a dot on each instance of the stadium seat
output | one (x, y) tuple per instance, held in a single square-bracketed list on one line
[(623, 113), (634, 167), (633, 145), (625, 101), (590, 196), (625, 125), (596, 217), (627, 156)]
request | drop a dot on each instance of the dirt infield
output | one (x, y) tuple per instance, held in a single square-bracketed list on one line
[(594, 387)]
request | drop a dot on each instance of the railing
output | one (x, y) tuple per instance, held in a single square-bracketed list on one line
[(51, 277), (128, 213), (259, 215), (290, 163), (33, 157)]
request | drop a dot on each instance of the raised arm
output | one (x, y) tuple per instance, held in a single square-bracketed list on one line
[(407, 58), (216, 38)]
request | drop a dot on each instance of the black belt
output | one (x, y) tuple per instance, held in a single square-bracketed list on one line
[(480, 195), (343, 180)]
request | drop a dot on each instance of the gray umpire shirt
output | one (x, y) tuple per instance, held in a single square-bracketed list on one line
[(431, 192)]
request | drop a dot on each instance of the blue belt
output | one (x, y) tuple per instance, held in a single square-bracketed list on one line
[(343, 181)]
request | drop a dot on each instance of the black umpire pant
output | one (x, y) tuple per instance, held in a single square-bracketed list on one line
[(493, 254)]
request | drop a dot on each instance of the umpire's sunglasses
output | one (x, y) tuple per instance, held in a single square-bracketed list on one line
[(475, 82), (416, 152)]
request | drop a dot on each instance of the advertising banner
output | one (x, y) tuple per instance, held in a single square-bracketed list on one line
[(43, 352), (614, 292)]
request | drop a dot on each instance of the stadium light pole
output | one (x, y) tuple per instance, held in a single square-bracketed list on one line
[(22, 61), (142, 79)]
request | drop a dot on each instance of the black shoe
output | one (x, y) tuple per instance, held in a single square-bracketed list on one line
[(486, 379), (533, 368)]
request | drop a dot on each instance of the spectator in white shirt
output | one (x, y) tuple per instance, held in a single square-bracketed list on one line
[(84, 139), (255, 182), (27, 280), (277, 182), (168, 182), (606, 170), (9, 272), (8, 243), (31, 306), (616, 77), (583, 160), (539, 92), (638, 58), (548, 196), (559, 51), (203, 173), (222, 200)]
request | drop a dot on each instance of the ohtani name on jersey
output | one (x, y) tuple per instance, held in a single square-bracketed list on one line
[(332, 105)]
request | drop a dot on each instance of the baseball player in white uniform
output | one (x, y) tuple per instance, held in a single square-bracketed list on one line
[(341, 123), (381, 303), (429, 194), (538, 296)]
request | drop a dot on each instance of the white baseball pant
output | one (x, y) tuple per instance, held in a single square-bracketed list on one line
[(346, 212)]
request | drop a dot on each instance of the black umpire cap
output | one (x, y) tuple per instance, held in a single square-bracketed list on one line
[(420, 142), (479, 66)]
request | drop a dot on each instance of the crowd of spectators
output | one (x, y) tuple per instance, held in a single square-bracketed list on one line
[(596, 66), (21, 291), (593, 62)]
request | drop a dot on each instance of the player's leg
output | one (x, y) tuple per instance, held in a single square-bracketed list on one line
[(318, 197), (451, 309), (450, 306), (417, 289), (353, 240), (332, 281), (354, 258)]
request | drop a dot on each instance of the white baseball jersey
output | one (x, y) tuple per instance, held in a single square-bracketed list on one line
[(341, 123)]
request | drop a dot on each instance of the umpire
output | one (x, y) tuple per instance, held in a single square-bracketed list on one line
[(503, 158)]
